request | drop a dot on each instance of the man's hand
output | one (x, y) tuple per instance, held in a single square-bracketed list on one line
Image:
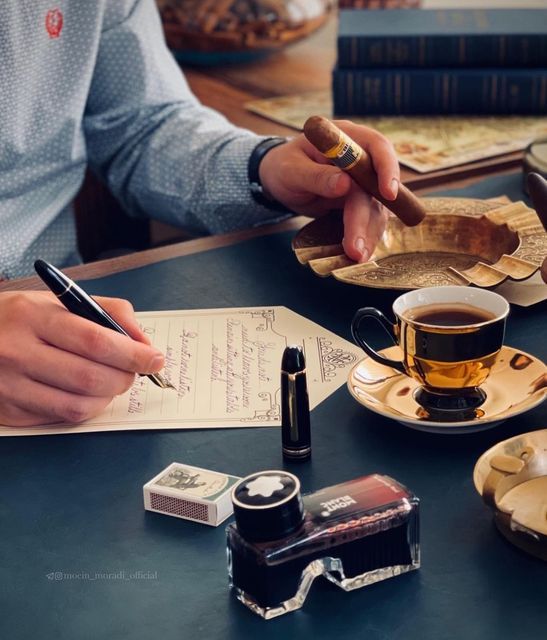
[(58, 367), (302, 179)]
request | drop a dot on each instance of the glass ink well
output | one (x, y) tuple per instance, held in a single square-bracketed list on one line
[(355, 534)]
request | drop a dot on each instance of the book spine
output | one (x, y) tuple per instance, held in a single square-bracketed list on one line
[(441, 51), (368, 92)]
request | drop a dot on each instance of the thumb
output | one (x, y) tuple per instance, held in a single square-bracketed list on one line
[(322, 180)]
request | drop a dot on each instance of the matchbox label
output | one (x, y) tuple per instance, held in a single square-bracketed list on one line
[(196, 482)]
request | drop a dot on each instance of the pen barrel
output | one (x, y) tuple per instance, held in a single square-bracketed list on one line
[(349, 156), (295, 416), (81, 304)]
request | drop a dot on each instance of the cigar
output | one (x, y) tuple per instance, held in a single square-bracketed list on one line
[(345, 153)]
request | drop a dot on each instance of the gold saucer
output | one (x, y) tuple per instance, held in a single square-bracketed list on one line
[(511, 477), (517, 383), (462, 241)]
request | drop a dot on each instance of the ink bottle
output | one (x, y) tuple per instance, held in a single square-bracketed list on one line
[(355, 534)]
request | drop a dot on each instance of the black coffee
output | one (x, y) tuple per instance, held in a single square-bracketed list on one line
[(449, 314)]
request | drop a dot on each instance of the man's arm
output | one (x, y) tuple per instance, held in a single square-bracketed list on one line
[(162, 153), (165, 155)]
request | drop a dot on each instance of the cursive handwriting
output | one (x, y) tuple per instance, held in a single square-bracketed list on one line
[(137, 396), (185, 352)]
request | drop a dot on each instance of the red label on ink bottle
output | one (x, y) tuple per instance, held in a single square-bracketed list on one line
[(54, 23)]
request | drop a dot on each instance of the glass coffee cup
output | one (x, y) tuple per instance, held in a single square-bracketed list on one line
[(450, 338)]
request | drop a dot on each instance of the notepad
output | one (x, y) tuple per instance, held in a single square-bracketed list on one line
[(225, 365)]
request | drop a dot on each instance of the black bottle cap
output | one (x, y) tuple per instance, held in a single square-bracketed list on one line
[(293, 360), (268, 505)]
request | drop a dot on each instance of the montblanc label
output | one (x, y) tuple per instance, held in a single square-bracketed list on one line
[(336, 504)]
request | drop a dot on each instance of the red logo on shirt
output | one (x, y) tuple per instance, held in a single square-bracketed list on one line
[(54, 23)]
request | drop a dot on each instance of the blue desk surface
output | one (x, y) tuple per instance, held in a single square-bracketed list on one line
[(71, 507)]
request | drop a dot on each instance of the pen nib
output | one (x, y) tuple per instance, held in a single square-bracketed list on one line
[(161, 382)]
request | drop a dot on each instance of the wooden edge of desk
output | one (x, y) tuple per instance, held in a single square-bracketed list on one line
[(109, 266)]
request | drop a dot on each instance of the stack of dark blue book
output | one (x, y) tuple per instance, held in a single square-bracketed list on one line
[(427, 61)]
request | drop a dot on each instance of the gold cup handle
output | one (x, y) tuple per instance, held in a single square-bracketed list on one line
[(371, 312)]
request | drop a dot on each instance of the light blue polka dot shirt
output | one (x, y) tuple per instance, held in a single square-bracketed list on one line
[(91, 82)]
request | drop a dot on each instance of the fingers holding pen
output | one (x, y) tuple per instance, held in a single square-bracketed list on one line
[(98, 344), (123, 313), (66, 371), (24, 398), (28, 319), (58, 367), (34, 403)]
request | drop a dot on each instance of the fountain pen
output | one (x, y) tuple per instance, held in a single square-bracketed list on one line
[(76, 300)]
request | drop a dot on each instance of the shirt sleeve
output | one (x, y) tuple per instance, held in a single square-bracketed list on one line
[(162, 153)]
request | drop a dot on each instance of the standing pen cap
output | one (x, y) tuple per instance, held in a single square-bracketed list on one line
[(295, 409)]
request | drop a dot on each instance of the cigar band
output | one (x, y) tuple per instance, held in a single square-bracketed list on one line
[(346, 153)]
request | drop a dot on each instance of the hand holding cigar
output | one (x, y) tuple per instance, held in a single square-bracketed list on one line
[(297, 175), (537, 186), (336, 145)]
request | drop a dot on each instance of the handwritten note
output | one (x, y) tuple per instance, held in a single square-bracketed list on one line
[(225, 365)]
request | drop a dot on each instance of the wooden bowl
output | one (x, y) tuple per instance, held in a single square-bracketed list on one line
[(205, 32)]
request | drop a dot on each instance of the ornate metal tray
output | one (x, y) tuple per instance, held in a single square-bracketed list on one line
[(462, 241)]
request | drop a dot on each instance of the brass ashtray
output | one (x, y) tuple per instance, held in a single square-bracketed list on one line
[(511, 477), (462, 241)]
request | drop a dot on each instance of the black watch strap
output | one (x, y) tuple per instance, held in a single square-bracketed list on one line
[(255, 185)]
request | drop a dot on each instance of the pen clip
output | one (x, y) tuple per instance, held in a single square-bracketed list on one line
[(293, 408)]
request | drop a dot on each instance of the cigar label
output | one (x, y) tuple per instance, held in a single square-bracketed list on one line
[(347, 154)]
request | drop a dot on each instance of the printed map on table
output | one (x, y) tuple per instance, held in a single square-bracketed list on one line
[(422, 143), (226, 367)]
